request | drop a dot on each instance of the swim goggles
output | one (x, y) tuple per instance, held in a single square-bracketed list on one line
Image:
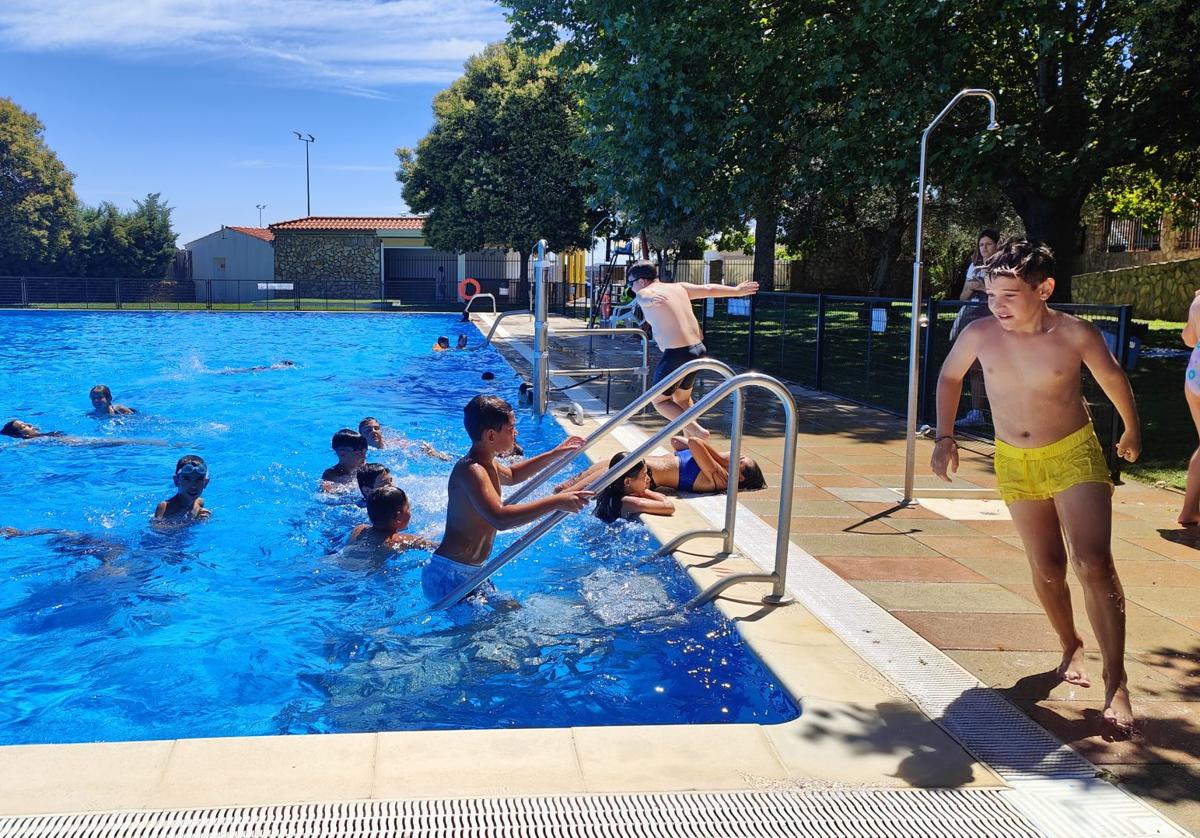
[(189, 469)]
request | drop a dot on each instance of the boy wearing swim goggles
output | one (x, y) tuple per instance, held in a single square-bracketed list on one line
[(191, 478)]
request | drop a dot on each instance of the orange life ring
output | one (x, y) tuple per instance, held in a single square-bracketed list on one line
[(462, 288)]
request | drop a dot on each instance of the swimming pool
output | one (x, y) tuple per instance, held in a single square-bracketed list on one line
[(253, 623)]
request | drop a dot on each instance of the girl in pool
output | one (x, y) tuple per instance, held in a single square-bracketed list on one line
[(694, 467), (1190, 515), (630, 494)]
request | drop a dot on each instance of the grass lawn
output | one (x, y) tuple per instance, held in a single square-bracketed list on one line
[(1168, 435)]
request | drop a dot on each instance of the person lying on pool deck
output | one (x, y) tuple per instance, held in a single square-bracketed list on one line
[(351, 450), (475, 510), (388, 509), (370, 428), (25, 431), (694, 467), (191, 479), (631, 494), (102, 402)]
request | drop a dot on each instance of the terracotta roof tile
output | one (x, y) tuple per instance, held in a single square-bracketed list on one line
[(352, 222), (258, 232)]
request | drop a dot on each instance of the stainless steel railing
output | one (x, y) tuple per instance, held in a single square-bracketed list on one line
[(485, 295), (732, 386)]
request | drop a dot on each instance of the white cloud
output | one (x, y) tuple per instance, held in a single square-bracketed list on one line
[(360, 47)]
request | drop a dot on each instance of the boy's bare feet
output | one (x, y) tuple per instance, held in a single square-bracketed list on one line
[(1071, 669), (1118, 712)]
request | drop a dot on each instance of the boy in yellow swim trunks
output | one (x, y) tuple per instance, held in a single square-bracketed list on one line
[(1050, 468)]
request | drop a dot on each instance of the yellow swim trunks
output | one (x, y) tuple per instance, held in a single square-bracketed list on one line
[(1041, 473)]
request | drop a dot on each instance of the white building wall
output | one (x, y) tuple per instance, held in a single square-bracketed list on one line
[(248, 263)]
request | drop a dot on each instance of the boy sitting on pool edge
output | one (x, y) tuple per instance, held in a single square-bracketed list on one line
[(475, 510), (191, 479)]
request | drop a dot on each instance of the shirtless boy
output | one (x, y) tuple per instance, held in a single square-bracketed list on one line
[(191, 478), (351, 450), (102, 403), (372, 431), (667, 307), (388, 509), (475, 510), (1050, 468)]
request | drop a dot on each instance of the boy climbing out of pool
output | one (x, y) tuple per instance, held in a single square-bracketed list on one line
[(1050, 469), (191, 479), (475, 511), (351, 450), (102, 403), (667, 307), (388, 509)]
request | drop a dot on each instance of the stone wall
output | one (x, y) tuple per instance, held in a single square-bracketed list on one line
[(338, 265), (1161, 291)]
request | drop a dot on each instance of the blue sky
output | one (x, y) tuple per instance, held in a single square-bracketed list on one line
[(197, 99)]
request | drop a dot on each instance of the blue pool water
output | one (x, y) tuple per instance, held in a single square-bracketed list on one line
[(252, 623)]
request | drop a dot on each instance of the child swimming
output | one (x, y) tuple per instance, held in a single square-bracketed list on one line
[(351, 450), (372, 431), (191, 479), (102, 403), (441, 344), (371, 478), (630, 494), (17, 429), (388, 509)]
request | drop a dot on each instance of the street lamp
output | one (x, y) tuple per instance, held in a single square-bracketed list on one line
[(261, 207), (914, 342), (307, 139)]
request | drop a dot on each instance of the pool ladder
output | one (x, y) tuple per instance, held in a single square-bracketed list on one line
[(732, 385)]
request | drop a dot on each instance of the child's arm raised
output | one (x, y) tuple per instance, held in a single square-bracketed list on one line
[(963, 353), (1112, 380), (527, 468), (487, 502), (700, 292)]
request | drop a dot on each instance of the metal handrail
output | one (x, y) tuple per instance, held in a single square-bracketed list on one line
[(496, 322), (475, 297), (731, 386), (644, 369)]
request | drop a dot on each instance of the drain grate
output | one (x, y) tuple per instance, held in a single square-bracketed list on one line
[(829, 814), (1052, 784)]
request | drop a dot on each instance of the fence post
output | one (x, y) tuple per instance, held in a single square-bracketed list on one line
[(1124, 316), (24, 293), (117, 291), (927, 361), (820, 382), (208, 301), (87, 294)]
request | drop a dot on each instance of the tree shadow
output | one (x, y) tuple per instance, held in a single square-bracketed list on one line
[(1187, 536)]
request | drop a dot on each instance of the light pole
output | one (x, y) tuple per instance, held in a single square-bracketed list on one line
[(914, 342), (261, 207), (307, 139)]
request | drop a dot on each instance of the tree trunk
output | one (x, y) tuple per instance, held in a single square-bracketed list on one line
[(766, 226), (524, 251), (1055, 220), (887, 252)]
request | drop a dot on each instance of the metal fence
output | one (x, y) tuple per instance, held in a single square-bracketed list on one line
[(857, 347)]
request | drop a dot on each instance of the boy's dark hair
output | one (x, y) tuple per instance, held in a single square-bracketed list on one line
[(10, 428), (442, 339), (383, 505), (365, 420), (608, 502), (347, 438), (369, 474), (190, 459), (486, 413), (103, 390), (751, 477), (1032, 261), (641, 269)]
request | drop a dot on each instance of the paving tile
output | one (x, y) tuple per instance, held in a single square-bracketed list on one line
[(831, 525), (872, 495), (894, 510), (1001, 632), (968, 509), (1150, 632), (1124, 549), (950, 597), (1174, 790), (1168, 731), (41, 779), (931, 526), (957, 547), (852, 544), (1169, 602), (992, 527), (1170, 549), (840, 480), (936, 568), (824, 509), (1007, 570)]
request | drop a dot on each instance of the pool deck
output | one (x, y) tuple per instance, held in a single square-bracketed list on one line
[(955, 563), (860, 728)]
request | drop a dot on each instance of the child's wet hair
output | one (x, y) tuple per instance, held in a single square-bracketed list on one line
[(486, 413), (190, 460), (10, 428), (103, 390), (369, 475), (383, 505), (443, 340), (348, 438), (608, 502), (365, 421), (750, 477), (1032, 262)]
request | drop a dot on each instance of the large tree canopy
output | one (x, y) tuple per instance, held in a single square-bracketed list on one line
[(110, 242), (499, 168), (37, 196)]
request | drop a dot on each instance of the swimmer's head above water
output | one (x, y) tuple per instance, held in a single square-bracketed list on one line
[(19, 430), (372, 477), (372, 431), (491, 420), (351, 449), (388, 509)]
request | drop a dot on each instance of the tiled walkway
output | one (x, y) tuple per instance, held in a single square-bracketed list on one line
[(964, 584)]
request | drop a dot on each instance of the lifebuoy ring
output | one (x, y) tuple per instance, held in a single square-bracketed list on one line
[(462, 288)]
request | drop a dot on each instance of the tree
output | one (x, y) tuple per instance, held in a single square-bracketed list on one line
[(151, 239), (108, 241), (37, 195), (499, 168)]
